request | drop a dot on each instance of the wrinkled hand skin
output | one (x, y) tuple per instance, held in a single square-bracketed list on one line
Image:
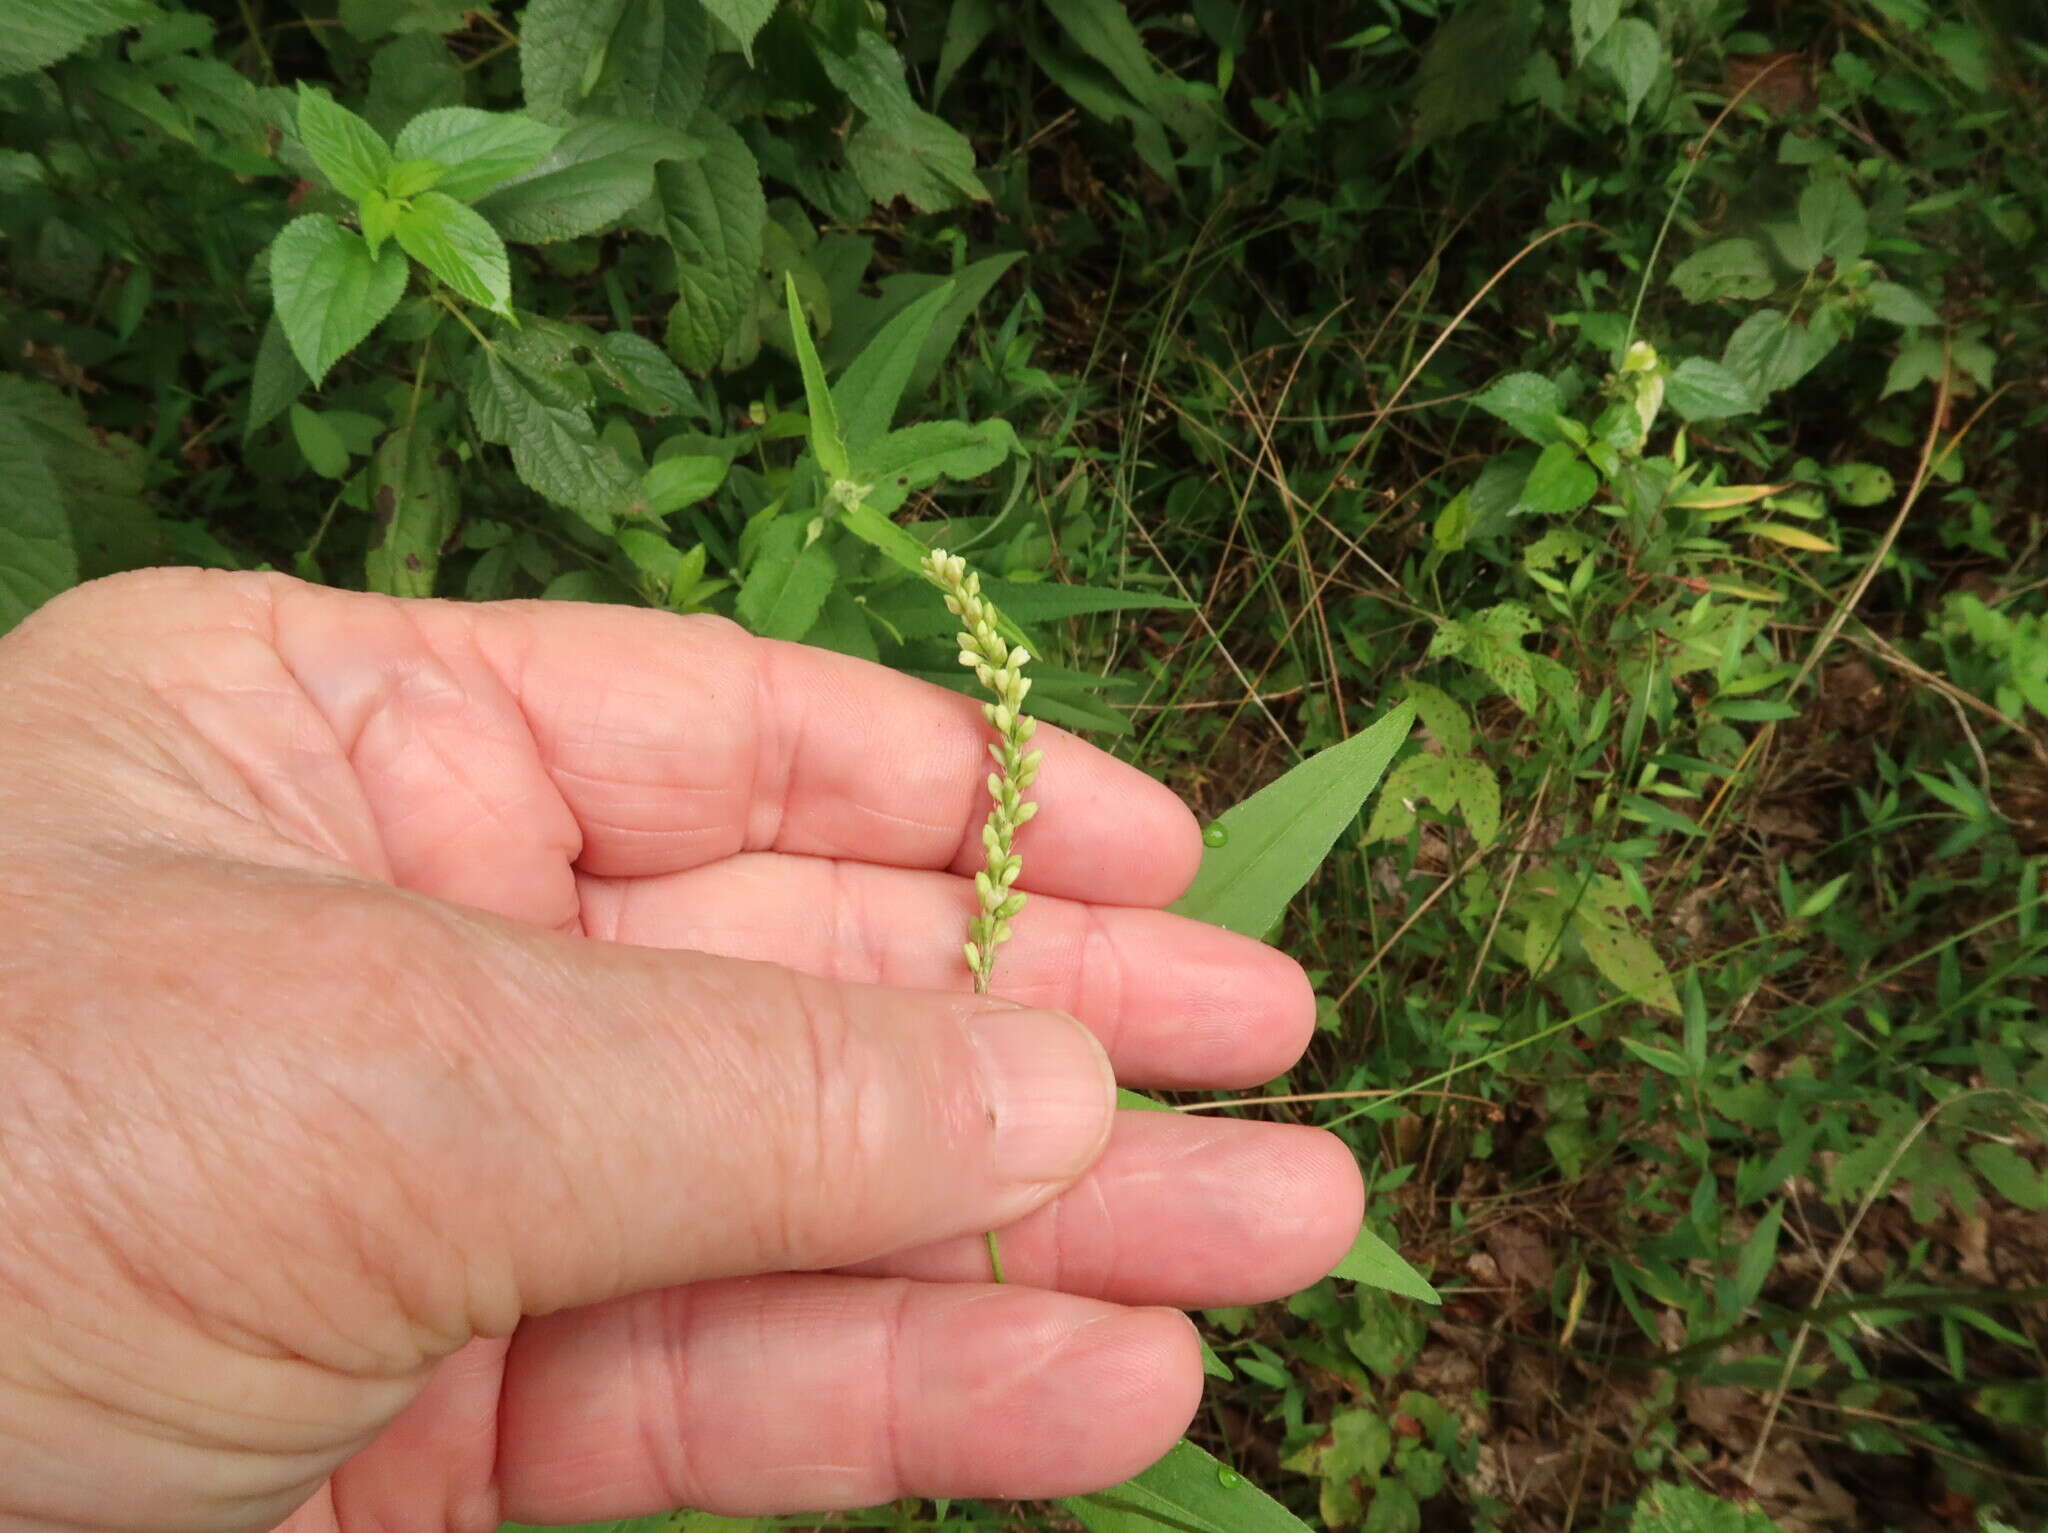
[(461, 1064)]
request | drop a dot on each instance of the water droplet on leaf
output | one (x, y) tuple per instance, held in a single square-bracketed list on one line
[(1227, 1477), (1215, 835)]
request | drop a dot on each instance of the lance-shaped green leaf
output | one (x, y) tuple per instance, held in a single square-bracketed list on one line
[(453, 241), (413, 493), (827, 445), (329, 290), (870, 390), (479, 150), (1270, 845), (1188, 1491), (38, 35), (349, 152), (1376, 1264)]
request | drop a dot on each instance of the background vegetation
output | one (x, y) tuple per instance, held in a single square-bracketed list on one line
[(1649, 391)]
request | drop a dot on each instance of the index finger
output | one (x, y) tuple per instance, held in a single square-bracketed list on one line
[(676, 741)]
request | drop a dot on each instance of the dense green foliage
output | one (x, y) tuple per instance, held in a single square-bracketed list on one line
[(1649, 393)]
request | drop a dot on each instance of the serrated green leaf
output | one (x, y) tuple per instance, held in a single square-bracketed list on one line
[(1734, 268), (478, 149), (415, 507), (37, 559), (828, 446), (37, 35), (1832, 218), (1561, 481), (99, 479), (923, 159), (1528, 403), (601, 170), (644, 376), (787, 585), (563, 46), (453, 241), (713, 211), (329, 290), (1633, 54), (743, 18), (349, 152), (1684, 1509), (1900, 305), (1442, 716), (1276, 839), (1376, 1264), (1188, 1491), (555, 448)]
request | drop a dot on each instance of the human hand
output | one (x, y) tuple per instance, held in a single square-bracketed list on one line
[(444, 1048)]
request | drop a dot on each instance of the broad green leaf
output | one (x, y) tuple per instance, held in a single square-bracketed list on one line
[(453, 241), (1591, 21), (349, 152), (478, 149), (922, 159), (555, 449), (37, 33), (325, 451), (1452, 783), (644, 376), (1832, 218), (378, 217), (563, 46), (1528, 403), (1701, 390), (329, 290), (2015, 1178), (1470, 67), (409, 75), (1900, 305), (411, 177), (1276, 840), (99, 479), (1736, 268), (1188, 1491), (1634, 54), (1441, 715), (36, 556), (1491, 642), (1624, 957), (681, 481), (923, 454), (1103, 30), (1685, 1509), (828, 446), (1561, 481), (1376, 1264), (685, 62), (599, 171), (788, 583), (743, 18), (414, 501), (1770, 352), (871, 388), (713, 211)]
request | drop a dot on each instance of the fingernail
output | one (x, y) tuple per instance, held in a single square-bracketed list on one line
[(1050, 1093)]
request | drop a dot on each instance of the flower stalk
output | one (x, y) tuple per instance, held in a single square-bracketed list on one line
[(999, 668)]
